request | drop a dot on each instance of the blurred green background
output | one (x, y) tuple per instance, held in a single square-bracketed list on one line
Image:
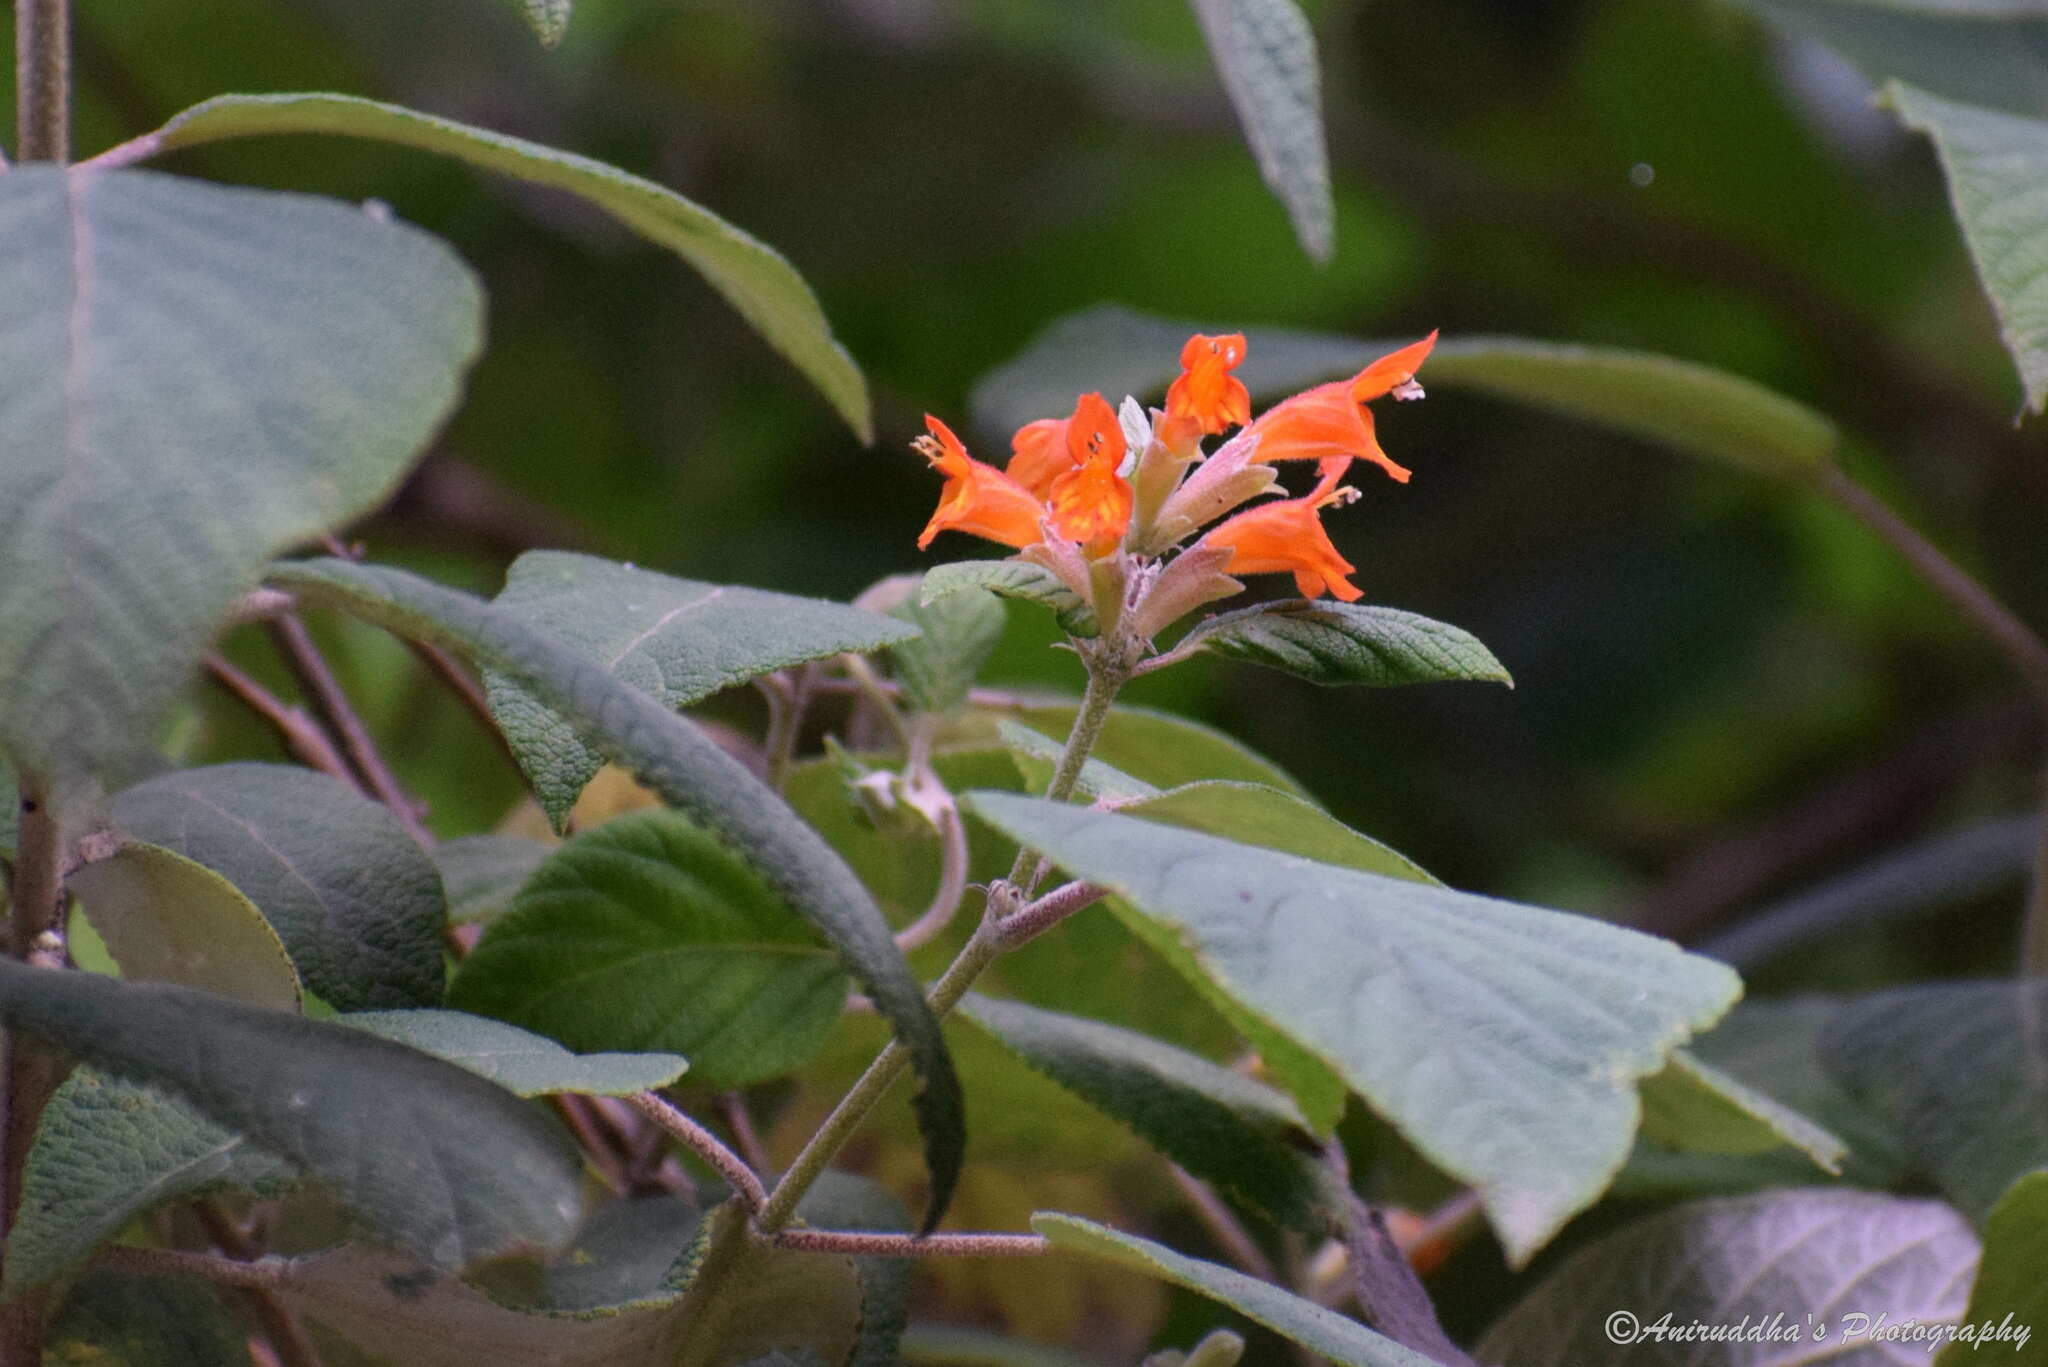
[(1726, 692)]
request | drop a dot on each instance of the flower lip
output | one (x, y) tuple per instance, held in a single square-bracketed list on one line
[(1206, 392), (978, 499)]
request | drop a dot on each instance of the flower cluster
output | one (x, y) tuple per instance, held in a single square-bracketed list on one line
[(1107, 501)]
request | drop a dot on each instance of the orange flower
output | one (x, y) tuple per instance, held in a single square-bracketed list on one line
[(1090, 501), (1331, 422), (1038, 454), (1206, 391), (1288, 537), (978, 499)]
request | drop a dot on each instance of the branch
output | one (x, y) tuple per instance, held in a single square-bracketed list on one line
[(310, 667), (307, 742), (1035, 918), (910, 1245), (706, 1145)]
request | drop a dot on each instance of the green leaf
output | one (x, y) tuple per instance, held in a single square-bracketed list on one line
[(768, 1299), (166, 918), (110, 1320), (1163, 749), (1953, 1069), (1987, 52), (355, 901), (1696, 409), (430, 1157), (522, 1063), (648, 933), (623, 1255), (198, 376), (1996, 165), (956, 633), (752, 276), (840, 1200), (549, 19), (1266, 54), (108, 1150), (1268, 817), (1017, 579), (951, 1345), (1348, 643), (1324, 1331), (687, 770), (1503, 1041), (1038, 758), (1843, 1258), (676, 639), (482, 873), (2010, 1292), (1696, 1107), (1238, 1134)]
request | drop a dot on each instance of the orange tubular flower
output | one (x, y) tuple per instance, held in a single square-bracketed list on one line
[(1038, 454), (1091, 502), (1288, 537), (1206, 391), (1331, 422), (978, 499)]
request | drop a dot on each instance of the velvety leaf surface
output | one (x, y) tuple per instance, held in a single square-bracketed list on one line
[(167, 919), (521, 1062), (1997, 168), (108, 1150), (1276, 820), (1013, 579), (1162, 749), (676, 639), (957, 632), (1038, 759), (355, 901), (145, 1322), (1266, 54), (1241, 1136), (1832, 1254), (191, 377), (623, 1255), (482, 873), (2010, 1290), (1954, 1070), (428, 1156), (1320, 1330), (1504, 1041), (1694, 1106), (648, 933), (1328, 642), (674, 759), (752, 276)]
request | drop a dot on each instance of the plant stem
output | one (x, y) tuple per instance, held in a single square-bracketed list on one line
[(311, 669), (35, 896), (700, 1141), (952, 889), (288, 1339), (1104, 681), (866, 1243), (2021, 644), (42, 80), (301, 735)]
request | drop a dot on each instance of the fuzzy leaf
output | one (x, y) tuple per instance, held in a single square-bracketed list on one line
[(676, 639), (145, 1322), (1349, 643), (1837, 1256), (1019, 579), (521, 1062), (753, 277), (194, 377), (482, 873), (355, 901), (956, 633), (1038, 758), (1696, 1107), (1163, 749), (648, 933), (2009, 1290), (1268, 817), (429, 1157), (674, 759), (1266, 54), (1504, 1041)]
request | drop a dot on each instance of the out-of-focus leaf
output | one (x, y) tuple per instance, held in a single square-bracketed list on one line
[(1268, 817), (430, 1157), (481, 873), (196, 376), (1988, 52), (118, 1321), (1694, 1106), (1996, 165), (676, 639), (1504, 1041), (947, 1345), (1954, 1070), (686, 769), (353, 898), (648, 933), (1266, 54), (549, 19), (1838, 1256), (753, 277), (623, 1255), (2010, 1291), (106, 1151), (957, 631), (1162, 749), (1013, 579), (1323, 1331), (1038, 758), (1238, 1134), (168, 919), (1349, 643), (522, 1063)]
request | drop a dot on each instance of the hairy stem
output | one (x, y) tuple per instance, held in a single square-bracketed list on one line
[(728, 1165), (35, 900), (1104, 682), (2021, 644), (42, 79), (868, 1244), (311, 669)]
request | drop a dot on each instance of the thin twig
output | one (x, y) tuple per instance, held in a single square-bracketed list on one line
[(288, 1339), (607, 1157), (42, 77), (30, 1073), (170, 1262), (467, 691), (1035, 918), (1224, 1227), (910, 1245), (299, 732), (728, 1165), (310, 667), (738, 1119)]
